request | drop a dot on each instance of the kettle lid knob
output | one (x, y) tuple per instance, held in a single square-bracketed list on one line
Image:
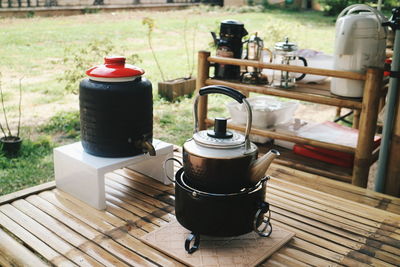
[(220, 129)]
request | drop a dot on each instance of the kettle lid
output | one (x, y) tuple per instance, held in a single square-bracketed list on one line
[(219, 137), (114, 69), (286, 46)]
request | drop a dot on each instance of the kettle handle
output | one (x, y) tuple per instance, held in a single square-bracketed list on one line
[(165, 168), (228, 91), (225, 90)]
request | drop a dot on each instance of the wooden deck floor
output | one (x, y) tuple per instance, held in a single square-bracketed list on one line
[(335, 223)]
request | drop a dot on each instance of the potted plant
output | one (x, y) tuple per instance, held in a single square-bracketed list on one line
[(10, 143), (172, 89)]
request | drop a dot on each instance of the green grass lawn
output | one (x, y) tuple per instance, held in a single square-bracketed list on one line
[(37, 50)]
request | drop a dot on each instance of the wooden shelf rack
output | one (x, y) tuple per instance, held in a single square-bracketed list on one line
[(365, 115)]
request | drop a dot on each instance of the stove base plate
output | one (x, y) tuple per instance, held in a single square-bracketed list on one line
[(245, 250)]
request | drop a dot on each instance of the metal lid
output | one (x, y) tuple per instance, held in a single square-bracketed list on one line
[(256, 39), (114, 69), (203, 138), (286, 46), (232, 22)]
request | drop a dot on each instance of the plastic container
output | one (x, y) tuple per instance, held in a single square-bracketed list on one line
[(267, 111), (334, 133)]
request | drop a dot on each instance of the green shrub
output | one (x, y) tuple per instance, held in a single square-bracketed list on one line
[(65, 123), (88, 10), (212, 2), (334, 7), (34, 165), (80, 59), (30, 14)]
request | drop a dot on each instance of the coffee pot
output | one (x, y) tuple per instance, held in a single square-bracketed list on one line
[(285, 53), (229, 44), (254, 49)]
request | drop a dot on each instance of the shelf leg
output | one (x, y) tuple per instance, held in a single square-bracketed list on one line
[(338, 111), (202, 76), (367, 127), (356, 118)]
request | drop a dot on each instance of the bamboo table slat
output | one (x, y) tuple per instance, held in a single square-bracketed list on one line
[(335, 223)]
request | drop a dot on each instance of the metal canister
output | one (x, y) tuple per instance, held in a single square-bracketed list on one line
[(229, 44)]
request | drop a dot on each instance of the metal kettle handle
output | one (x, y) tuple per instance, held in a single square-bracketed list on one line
[(165, 168), (225, 90)]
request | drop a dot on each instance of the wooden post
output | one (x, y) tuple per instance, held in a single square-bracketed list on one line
[(367, 126), (356, 118), (202, 76), (338, 111), (392, 183)]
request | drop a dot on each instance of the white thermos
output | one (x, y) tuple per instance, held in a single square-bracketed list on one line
[(360, 42)]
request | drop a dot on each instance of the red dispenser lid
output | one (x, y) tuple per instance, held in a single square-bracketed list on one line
[(114, 69)]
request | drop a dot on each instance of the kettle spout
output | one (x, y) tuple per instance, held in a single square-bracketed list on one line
[(259, 167)]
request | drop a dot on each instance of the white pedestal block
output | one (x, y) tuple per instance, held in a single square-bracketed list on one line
[(82, 175)]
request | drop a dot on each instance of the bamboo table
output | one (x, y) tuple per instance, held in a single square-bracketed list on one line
[(42, 225)]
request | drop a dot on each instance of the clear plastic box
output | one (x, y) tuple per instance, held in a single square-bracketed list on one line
[(267, 111)]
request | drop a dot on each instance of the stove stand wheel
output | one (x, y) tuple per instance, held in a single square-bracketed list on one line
[(265, 228), (192, 243)]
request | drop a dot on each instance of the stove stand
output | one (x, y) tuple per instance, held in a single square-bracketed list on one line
[(192, 242), (222, 215)]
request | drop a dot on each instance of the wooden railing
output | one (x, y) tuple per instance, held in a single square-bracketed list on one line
[(71, 3)]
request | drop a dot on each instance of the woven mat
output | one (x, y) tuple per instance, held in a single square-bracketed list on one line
[(244, 250)]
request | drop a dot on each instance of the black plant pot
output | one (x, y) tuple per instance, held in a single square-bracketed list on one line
[(10, 145)]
